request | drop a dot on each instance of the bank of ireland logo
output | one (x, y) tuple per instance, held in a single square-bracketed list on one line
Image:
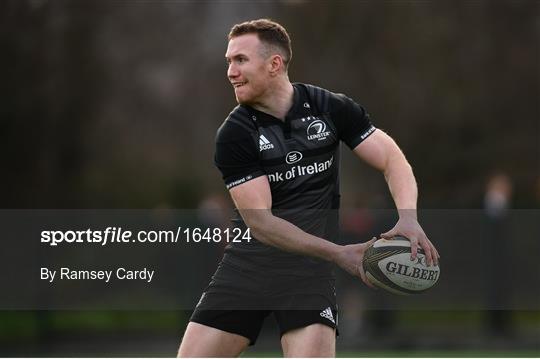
[(317, 131), (293, 157)]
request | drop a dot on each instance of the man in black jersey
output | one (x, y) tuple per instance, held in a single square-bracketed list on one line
[(278, 152)]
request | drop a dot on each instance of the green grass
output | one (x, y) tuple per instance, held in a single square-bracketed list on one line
[(440, 354), (25, 324), (417, 354)]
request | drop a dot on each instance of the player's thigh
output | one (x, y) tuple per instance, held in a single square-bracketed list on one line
[(315, 340), (203, 341)]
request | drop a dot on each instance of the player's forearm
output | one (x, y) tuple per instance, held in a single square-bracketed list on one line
[(284, 235), (402, 184)]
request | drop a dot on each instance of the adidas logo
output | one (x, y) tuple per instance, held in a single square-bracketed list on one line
[(327, 313), (264, 144)]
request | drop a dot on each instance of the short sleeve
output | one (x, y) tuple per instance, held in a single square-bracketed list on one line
[(352, 120), (236, 156)]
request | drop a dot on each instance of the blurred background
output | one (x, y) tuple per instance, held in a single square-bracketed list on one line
[(115, 104)]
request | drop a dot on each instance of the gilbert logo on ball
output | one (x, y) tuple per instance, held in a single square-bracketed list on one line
[(388, 265)]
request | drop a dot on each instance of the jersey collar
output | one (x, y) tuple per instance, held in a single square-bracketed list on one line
[(297, 108)]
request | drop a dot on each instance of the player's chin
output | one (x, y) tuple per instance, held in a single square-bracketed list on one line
[(243, 100)]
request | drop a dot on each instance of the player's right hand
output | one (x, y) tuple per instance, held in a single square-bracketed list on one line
[(350, 259)]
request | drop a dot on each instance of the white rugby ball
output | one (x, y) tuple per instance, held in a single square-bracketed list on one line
[(388, 265)]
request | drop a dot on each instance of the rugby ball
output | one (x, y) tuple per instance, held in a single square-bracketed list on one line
[(388, 265)]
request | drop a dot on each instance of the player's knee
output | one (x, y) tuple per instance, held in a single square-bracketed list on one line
[(203, 341), (316, 340), (314, 350), (191, 341)]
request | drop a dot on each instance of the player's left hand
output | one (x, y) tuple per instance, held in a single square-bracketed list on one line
[(410, 228)]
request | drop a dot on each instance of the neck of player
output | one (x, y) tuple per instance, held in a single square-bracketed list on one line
[(278, 100)]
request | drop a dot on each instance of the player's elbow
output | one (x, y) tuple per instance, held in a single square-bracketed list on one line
[(258, 220), (396, 162)]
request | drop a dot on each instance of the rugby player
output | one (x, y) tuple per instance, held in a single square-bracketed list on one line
[(278, 152)]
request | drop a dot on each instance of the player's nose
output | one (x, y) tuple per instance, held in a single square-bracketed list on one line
[(232, 71)]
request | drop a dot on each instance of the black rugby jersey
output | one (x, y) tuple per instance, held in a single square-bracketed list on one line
[(300, 157)]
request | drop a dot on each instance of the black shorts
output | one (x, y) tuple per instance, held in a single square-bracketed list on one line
[(238, 300)]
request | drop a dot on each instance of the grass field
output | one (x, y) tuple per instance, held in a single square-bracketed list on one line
[(417, 354), (157, 334)]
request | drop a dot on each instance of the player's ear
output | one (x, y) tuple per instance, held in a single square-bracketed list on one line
[(276, 64)]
